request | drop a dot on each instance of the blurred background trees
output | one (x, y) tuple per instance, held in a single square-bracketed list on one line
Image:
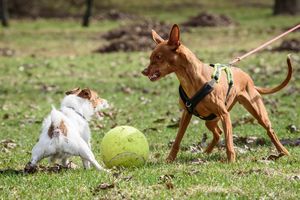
[(83, 8), (3, 12), (88, 13), (290, 7)]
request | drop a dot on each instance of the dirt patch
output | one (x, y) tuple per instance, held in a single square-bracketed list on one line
[(291, 142), (7, 52), (7, 145), (56, 168), (115, 15), (289, 45), (134, 37), (290, 27), (205, 19)]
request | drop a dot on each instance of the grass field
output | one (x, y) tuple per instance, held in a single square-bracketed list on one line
[(54, 55)]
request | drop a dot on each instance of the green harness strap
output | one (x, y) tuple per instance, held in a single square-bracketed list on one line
[(218, 70), (217, 73)]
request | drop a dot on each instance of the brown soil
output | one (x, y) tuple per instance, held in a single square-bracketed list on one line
[(207, 19), (115, 15), (289, 45), (7, 52), (135, 37)]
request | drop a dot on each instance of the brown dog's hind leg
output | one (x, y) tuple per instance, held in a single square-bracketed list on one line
[(252, 101), (184, 122), (214, 128)]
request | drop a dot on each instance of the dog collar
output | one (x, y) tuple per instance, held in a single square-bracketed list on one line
[(78, 113)]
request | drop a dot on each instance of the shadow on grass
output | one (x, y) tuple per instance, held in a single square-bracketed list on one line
[(10, 171), (45, 169)]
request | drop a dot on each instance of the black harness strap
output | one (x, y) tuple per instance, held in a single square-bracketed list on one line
[(190, 104)]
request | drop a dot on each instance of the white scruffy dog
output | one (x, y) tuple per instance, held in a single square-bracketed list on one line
[(66, 132)]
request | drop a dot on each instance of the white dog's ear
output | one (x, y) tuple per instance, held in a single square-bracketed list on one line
[(73, 91), (85, 93)]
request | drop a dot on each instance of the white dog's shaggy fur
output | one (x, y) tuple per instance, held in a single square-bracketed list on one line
[(66, 132)]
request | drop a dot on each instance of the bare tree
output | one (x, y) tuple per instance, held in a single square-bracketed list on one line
[(3, 13), (290, 7), (88, 13)]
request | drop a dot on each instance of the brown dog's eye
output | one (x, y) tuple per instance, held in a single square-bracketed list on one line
[(158, 57)]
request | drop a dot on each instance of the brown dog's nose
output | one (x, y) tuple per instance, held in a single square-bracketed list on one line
[(145, 72)]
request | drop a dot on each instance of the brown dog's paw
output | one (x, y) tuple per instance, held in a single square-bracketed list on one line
[(170, 159), (30, 169)]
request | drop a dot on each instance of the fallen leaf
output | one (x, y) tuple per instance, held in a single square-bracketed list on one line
[(295, 178), (291, 142), (126, 178), (150, 129), (167, 180), (274, 157), (144, 100), (157, 155), (292, 128), (193, 172), (126, 90), (104, 186), (198, 161), (265, 161), (111, 114), (5, 116), (244, 120), (159, 120), (169, 185), (174, 125), (170, 143), (7, 145), (166, 177)]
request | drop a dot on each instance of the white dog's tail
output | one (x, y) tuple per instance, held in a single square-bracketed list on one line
[(58, 126), (56, 117)]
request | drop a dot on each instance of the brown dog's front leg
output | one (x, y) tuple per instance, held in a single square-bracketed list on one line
[(184, 122), (227, 127)]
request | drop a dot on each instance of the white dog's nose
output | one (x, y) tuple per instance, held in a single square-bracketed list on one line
[(56, 133), (104, 104)]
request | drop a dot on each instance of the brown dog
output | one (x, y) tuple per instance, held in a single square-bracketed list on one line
[(171, 56)]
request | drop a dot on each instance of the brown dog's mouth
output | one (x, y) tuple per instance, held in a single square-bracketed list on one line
[(155, 76)]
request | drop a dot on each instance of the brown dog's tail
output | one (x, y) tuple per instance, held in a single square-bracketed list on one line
[(282, 85)]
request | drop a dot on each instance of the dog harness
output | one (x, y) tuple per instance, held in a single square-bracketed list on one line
[(191, 103)]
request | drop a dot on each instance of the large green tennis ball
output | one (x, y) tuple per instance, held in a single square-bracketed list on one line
[(124, 146)]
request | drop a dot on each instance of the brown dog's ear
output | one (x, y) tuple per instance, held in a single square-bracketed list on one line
[(174, 36), (73, 91), (157, 39), (85, 93)]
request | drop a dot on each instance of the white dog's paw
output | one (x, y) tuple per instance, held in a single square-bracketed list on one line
[(30, 168)]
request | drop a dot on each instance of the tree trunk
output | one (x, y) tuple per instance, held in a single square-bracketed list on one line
[(288, 7), (88, 13), (3, 13)]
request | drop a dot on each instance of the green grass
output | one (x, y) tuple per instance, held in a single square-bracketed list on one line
[(53, 56)]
